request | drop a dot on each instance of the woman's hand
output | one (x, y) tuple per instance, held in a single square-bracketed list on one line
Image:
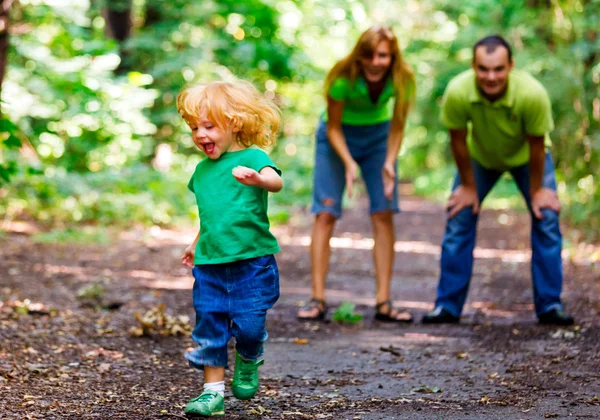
[(335, 136), (351, 175), (389, 179)]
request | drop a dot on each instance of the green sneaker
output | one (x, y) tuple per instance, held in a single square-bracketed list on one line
[(245, 378), (208, 404)]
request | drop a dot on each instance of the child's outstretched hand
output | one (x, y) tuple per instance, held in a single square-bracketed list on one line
[(188, 255), (267, 178), (246, 176)]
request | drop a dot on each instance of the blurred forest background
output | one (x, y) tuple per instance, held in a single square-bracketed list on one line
[(90, 136)]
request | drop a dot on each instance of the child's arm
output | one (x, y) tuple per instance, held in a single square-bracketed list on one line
[(267, 178), (188, 255)]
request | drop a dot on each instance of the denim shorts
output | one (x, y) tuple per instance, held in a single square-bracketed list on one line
[(231, 300), (368, 147)]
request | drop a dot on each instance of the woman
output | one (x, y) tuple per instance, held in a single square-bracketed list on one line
[(368, 97)]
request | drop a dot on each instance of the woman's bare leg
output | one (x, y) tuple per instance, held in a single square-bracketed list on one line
[(320, 252), (383, 257)]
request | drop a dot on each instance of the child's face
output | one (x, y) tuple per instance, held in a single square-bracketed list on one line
[(213, 140)]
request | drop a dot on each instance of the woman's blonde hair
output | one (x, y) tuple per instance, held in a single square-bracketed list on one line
[(349, 67), (237, 105)]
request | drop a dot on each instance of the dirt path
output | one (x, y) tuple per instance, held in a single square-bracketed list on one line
[(69, 358)]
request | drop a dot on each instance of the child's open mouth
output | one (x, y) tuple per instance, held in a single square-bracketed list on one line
[(209, 148)]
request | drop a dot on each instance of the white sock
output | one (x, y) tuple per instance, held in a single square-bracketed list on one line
[(216, 386)]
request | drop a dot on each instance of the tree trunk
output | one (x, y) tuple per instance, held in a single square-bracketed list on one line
[(118, 26), (4, 22), (118, 19), (153, 12)]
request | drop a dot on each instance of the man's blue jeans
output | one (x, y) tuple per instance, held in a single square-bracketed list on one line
[(459, 241)]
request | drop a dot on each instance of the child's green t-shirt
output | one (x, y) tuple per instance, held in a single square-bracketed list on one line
[(233, 217)]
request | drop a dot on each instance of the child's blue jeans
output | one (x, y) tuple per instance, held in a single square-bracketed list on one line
[(459, 241), (232, 299)]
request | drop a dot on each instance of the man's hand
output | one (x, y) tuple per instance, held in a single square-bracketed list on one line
[(544, 198), (389, 180), (351, 175), (462, 197), (246, 176), (187, 258)]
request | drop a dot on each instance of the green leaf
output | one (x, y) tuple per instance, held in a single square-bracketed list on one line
[(12, 141), (345, 313), (7, 126)]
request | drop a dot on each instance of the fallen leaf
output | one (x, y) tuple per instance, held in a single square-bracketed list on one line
[(564, 334), (300, 340), (257, 410), (136, 331), (104, 367), (158, 321)]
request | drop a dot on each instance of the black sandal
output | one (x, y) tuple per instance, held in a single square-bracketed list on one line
[(380, 316), (319, 305)]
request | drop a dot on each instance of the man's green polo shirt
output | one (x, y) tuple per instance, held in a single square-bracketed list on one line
[(498, 130), (359, 109)]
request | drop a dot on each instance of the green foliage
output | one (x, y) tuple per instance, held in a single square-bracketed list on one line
[(94, 292), (345, 314), (135, 195), (81, 236), (83, 116), (8, 140)]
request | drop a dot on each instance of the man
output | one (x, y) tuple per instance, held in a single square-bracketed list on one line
[(499, 120)]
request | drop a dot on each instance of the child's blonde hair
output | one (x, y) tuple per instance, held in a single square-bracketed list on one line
[(233, 104)]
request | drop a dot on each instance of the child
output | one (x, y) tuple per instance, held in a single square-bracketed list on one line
[(236, 276)]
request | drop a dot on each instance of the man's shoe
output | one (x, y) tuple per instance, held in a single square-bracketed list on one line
[(440, 316), (207, 404), (245, 378), (556, 317)]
